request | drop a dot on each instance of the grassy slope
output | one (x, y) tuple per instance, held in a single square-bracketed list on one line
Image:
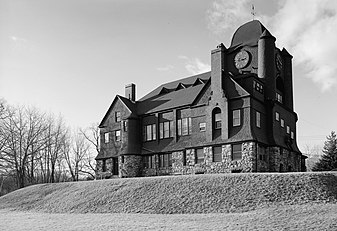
[(179, 194)]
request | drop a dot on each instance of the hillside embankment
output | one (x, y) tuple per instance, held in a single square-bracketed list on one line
[(218, 193)]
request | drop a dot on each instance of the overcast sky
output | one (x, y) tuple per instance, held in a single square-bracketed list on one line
[(72, 57)]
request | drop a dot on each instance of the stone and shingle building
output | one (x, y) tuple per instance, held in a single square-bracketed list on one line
[(239, 117)]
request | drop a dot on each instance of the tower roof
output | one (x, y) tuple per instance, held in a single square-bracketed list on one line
[(248, 34)]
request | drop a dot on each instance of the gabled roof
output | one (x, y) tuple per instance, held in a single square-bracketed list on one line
[(131, 106), (171, 86)]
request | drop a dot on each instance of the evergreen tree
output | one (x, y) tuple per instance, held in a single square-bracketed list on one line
[(328, 160)]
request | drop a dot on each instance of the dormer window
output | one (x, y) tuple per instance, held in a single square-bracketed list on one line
[(180, 86)]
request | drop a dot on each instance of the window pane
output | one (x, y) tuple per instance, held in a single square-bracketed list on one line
[(184, 127), (217, 154), (166, 129), (118, 135), (165, 160), (106, 137), (277, 116), (179, 127), (282, 123), (288, 130), (169, 159), (161, 130), (236, 151), (117, 116), (258, 119), (154, 132), (292, 135), (189, 125), (202, 127), (171, 129), (217, 121), (200, 155), (148, 132), (236, 118)]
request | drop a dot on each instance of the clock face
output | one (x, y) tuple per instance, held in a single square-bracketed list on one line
[(241, 59), (279, 62)]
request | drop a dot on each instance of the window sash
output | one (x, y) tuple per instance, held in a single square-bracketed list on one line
[(236, 152), (184, 127), (258, 119), (154, 132), (199, 156), (117, 116), (202, 127), (179, 127), (106, 137), (118, 135), (236, 118), (217, 154), (277, 116), (217, 120)]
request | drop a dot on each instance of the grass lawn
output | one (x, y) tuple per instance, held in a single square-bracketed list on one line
[(259, 201), (287, 217)]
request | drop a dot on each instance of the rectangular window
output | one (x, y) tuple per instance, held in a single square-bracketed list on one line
[(184, 126), (199, 156), (217, 120), (236, 118), (282, 123), (202, 127), (236, 151), (118, 135), (292, 135), (262, 152), (165, 160), (150, 132), (277, 116), (125, 127), (117, 116), (148, 162), (288, 130), (217, 154), (258, 87), (106, 137), (166, 129), (279, 97), (258, 119), (184, 158)]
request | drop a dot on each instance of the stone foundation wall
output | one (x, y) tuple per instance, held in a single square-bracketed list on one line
[(183, 163), (131, 167)]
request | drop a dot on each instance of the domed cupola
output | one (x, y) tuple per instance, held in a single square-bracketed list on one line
[(248, 34)]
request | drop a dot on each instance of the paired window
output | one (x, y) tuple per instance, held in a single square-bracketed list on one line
[(202, 127), (199, 156), (117, 116), (118, 135), (258, 119), (150, 132), (106, 137), (262, 153), (236, 118), (217, 154), (184, 126), (165, 129), (236, 151), (165, 160), (279, 97), (148, 163)]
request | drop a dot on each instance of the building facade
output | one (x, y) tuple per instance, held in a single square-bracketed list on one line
[(239, 117)]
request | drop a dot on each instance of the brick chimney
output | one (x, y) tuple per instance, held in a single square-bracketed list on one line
[(218, 67), (130, 91)]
